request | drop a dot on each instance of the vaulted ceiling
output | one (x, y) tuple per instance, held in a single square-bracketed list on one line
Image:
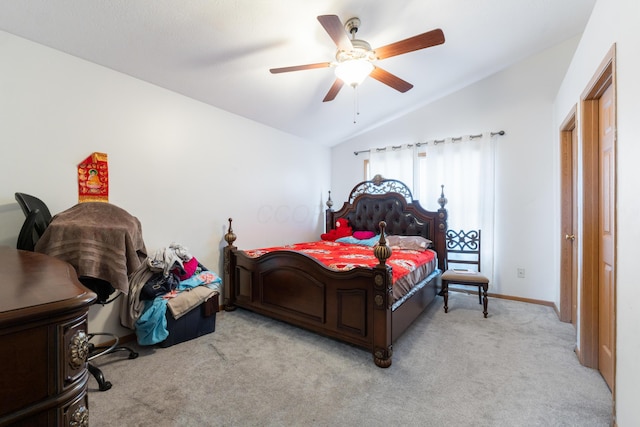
[(220, 51)]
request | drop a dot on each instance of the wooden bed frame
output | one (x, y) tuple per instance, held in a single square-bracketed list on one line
[(353, 306)]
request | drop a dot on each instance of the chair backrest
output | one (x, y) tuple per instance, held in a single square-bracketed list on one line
[(29, 234), (463, 249), (30, 203)]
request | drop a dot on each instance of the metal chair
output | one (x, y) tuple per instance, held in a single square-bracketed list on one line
[(462, 265)]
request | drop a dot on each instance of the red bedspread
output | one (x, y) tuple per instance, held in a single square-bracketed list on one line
[(345, 256)]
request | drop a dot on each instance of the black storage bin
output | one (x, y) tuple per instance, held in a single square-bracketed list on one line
[(197, 322)]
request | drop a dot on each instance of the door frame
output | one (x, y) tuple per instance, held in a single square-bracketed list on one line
[(568, 217), (589, 286)]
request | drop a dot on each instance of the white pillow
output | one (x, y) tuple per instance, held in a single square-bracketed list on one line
[(415, 243)]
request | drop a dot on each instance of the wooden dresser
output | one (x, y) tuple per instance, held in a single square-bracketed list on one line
[(43, 341)]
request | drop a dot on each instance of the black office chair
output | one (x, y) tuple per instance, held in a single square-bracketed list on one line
[(29, 235), (36, 222), (30, 203), (103, 290)]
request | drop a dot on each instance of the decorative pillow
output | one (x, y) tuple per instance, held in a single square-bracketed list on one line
[(363, 235), (366, 242), (416, 243)]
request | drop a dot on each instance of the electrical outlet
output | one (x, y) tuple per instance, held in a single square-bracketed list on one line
[(521, 273)]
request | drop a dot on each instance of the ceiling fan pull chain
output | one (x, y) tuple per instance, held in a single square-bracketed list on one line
[(355, 103)]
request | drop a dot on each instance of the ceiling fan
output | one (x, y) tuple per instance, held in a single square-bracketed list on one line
[(354, 57)]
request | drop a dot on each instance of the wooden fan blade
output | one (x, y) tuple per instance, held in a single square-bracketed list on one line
[(335, 88), (390, 80), (421, 41), (334, 27), (300, 67)]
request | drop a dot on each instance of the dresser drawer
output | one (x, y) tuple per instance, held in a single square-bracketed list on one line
[(26, 375), (43, 341), (73, 350)]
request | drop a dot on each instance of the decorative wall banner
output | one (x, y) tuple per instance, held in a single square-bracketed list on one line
[(93, 179)]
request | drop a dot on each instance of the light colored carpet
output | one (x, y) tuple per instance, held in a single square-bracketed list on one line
[(515, 368)]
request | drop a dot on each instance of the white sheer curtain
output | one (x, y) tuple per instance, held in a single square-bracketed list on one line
[(465, 166), (393, 163)]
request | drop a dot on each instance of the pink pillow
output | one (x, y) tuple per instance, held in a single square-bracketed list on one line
[(363, 235)]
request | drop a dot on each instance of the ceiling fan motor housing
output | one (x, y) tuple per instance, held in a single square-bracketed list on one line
[(361, 50), (352, 25)]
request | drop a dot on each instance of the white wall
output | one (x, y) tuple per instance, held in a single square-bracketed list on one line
[(615, 21), (519, 101), (180, 166)]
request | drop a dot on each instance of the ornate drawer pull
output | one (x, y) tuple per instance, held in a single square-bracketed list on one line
[(78, 349), (80, 417)]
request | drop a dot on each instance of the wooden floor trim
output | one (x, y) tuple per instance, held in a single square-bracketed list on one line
[(512, 298)]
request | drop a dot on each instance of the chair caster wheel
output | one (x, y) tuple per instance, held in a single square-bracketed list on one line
[(133, 355), (105, 386)]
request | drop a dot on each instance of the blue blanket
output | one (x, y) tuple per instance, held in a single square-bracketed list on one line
[(151, 326)]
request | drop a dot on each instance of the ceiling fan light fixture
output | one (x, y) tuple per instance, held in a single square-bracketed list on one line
[(355, 58), (354, 71)]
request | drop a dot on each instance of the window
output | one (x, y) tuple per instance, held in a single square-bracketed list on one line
[(395, 162), (465, 166)]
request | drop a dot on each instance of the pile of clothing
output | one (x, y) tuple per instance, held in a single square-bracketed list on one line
[(170, 279)]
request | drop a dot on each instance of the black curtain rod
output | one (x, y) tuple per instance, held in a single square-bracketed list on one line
[(435, 141)]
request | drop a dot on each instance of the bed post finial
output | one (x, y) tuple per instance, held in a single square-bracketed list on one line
[(382, 251), (442, 200), (230, 237), (229, 270), (329, 201)]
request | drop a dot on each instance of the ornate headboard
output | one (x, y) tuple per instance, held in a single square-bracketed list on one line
[(391, 201)]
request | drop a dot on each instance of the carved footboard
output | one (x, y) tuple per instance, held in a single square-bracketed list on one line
[(352, 306)]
